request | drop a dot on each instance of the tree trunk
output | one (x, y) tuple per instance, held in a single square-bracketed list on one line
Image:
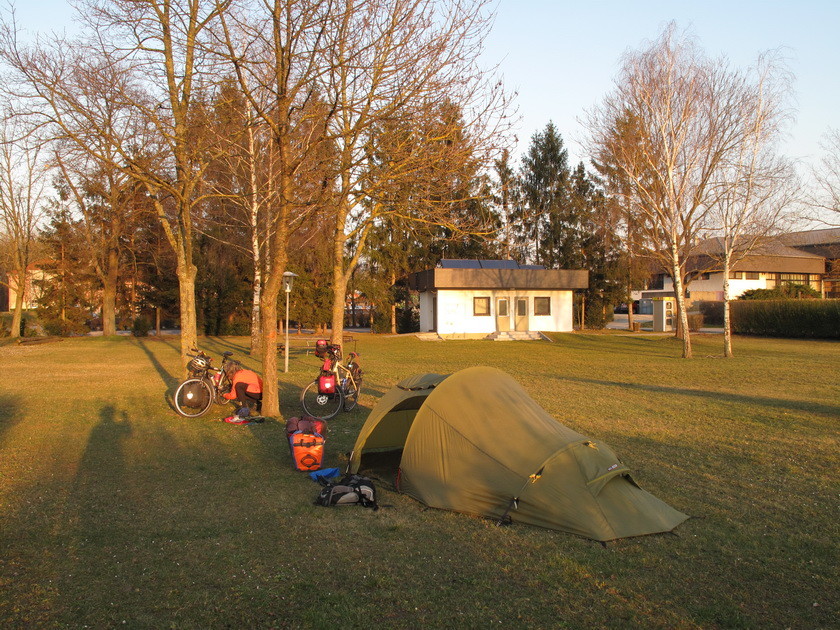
[(256, 326), (727, 326), (268, 312), (109, 294), (339, 292), (393, 280), (339, 280), (681, 311), (256, 333), (186, 293), (17, 316)]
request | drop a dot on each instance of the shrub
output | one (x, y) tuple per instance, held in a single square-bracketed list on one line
[(695, 321), (598, 314), (141, 327), (237, 327), (816, 319), (782, 292), (69, 328), (712, 312)]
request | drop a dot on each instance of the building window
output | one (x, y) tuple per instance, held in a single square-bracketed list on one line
[(481, 307), (522, 307), (502, 307), (542, 306), (735, 275), (793, 278), (752, 275)]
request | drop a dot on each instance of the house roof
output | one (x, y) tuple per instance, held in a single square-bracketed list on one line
[(772, 255), (829, 236), (472, 263)]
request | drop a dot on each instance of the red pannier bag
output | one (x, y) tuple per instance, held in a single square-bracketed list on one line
[(326, 384), (306, 424), (307, 450)]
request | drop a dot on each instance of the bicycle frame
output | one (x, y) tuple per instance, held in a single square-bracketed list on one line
[(348, 382)]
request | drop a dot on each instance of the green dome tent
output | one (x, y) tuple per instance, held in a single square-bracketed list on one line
[(476, 442)]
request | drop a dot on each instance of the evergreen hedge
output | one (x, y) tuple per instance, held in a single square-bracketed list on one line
[(814, 319), (712, 312)]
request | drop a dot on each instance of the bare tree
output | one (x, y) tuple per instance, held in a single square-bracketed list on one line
[(756, 185), (148, 55), (397, 63), (691, 117), (276, 48), (22, 183), (244, 177), (827, 176)]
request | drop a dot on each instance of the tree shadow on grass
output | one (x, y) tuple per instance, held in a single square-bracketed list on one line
[(777, 403), (10, 414), (169, 380)]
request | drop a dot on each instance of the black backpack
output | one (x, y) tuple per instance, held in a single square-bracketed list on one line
[(349, 490)]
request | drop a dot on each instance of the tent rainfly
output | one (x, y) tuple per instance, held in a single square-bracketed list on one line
[(476, 442)]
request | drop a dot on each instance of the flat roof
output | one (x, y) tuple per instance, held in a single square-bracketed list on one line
[(548, 279)]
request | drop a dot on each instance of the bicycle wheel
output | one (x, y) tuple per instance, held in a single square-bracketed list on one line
[(351, 392), (193, 397), (323, 406)]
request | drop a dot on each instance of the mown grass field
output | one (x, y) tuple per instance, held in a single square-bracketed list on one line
[(115, 511)]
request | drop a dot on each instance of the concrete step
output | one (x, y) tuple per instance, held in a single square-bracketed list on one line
[(430, 336), (516, 336)]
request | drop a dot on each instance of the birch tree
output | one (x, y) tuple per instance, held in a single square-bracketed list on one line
[(756, 185), (690, 114), (827, 177)]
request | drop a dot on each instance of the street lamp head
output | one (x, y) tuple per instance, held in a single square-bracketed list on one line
[(288, 280)]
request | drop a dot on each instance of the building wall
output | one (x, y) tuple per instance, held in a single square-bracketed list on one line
[(455, 311), (32, 291), (711, 288), (426, 314)]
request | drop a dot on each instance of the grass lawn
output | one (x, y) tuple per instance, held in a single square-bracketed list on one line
[(116, 511)]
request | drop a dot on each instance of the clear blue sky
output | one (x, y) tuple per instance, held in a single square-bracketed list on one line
[(561, 56)]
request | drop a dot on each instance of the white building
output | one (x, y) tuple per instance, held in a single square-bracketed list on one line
[(477, 298), (772, 264)]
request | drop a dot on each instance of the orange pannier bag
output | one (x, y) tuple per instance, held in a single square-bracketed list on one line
[(307, 450)]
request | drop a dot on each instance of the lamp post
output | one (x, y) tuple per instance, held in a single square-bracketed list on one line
[(288, 281)]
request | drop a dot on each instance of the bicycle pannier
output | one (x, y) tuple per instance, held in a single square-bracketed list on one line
[(307, 450), (326, 384), (195, 395)]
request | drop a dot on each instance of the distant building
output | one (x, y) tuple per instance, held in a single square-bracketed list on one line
[(480, 298), (810, 258), (32, 290)]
